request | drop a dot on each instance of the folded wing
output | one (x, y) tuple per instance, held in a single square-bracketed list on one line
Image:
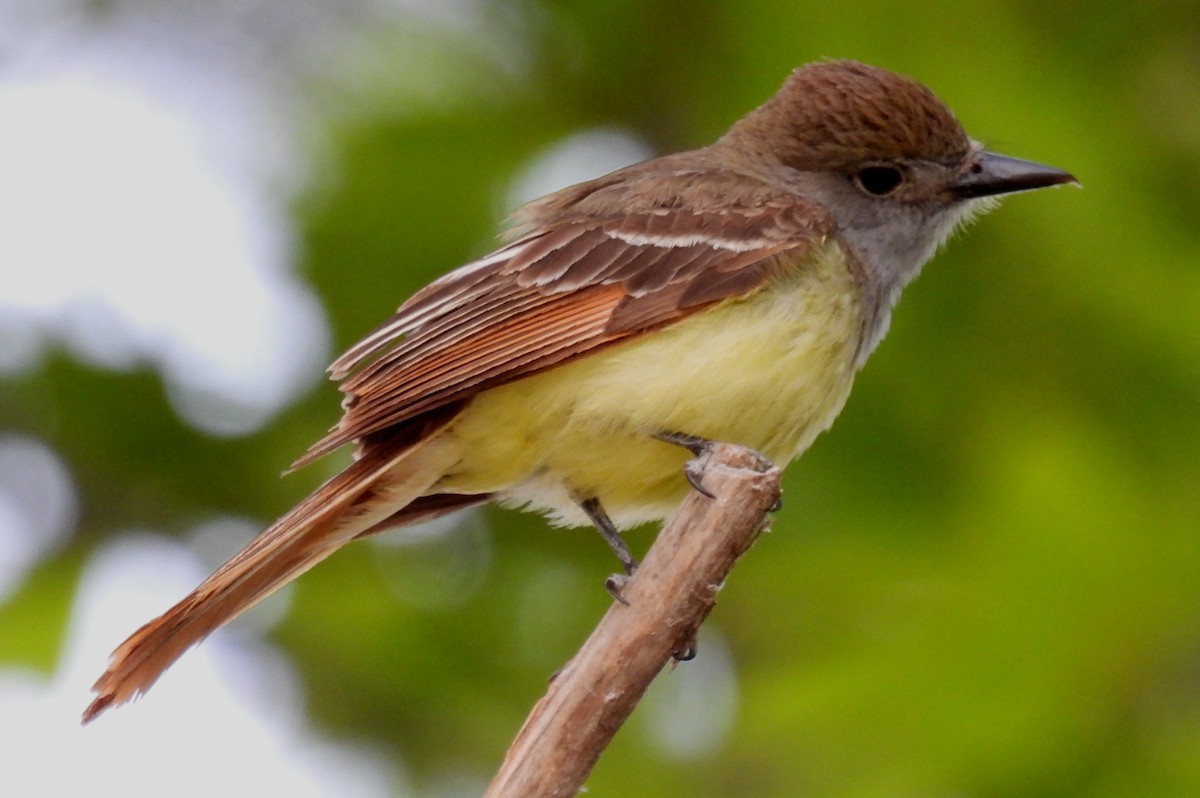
[(559, 293)]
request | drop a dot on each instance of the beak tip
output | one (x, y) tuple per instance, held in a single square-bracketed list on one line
[(993, 174)]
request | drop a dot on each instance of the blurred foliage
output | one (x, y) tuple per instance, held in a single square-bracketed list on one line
[(985, 580)]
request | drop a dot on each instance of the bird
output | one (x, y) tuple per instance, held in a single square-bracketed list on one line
[(724, 294)]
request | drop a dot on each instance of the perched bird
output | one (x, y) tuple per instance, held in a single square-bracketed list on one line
[(726, 294)]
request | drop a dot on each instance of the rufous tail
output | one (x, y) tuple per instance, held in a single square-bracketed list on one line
[(356, 501)]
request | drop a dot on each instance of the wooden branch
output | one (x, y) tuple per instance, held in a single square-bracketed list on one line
[(669, 597)]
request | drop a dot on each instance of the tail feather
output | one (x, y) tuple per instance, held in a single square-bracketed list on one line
[(368, 491)]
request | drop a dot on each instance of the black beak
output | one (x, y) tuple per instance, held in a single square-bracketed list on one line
[(991, 174)]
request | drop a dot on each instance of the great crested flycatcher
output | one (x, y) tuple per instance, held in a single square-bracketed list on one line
[(725, 294)]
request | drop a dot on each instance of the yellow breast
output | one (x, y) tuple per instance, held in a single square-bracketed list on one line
[(770, 371)]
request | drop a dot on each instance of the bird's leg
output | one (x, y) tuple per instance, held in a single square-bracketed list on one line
[(612, 537), (701, 448)]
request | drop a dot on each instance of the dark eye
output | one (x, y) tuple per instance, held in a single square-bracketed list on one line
[(879, 180)]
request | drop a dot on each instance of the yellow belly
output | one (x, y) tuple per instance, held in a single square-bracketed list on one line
[(769, 371)]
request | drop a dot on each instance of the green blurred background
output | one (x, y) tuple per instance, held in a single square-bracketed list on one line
[(985, 581)]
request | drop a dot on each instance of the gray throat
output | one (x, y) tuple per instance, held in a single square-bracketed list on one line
[(892, 240)]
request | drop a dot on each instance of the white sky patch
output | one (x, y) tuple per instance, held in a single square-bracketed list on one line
[(579, 157), (225, 720), (139, 228), (689, 711), (38, 507)]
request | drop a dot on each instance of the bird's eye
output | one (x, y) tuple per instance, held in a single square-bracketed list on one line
[(879, 180)]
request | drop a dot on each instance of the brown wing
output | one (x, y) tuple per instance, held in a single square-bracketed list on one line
[(555, 294)]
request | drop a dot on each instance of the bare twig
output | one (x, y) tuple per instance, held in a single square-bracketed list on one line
[(669, 597)]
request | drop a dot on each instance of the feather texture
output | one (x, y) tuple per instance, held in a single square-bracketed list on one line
[(570, 288)]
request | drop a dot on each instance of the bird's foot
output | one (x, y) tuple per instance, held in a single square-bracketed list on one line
[(615, 585), (701, 449)]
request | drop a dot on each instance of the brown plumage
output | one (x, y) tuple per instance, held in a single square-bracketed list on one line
[(571, 287), (827, 115)]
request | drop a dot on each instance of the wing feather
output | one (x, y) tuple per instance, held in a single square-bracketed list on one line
[(566, 289)]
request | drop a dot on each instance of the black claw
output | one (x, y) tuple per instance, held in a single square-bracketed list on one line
[(615, 584), (700, 448), (693, 478), (777, 506), (686, 652)]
